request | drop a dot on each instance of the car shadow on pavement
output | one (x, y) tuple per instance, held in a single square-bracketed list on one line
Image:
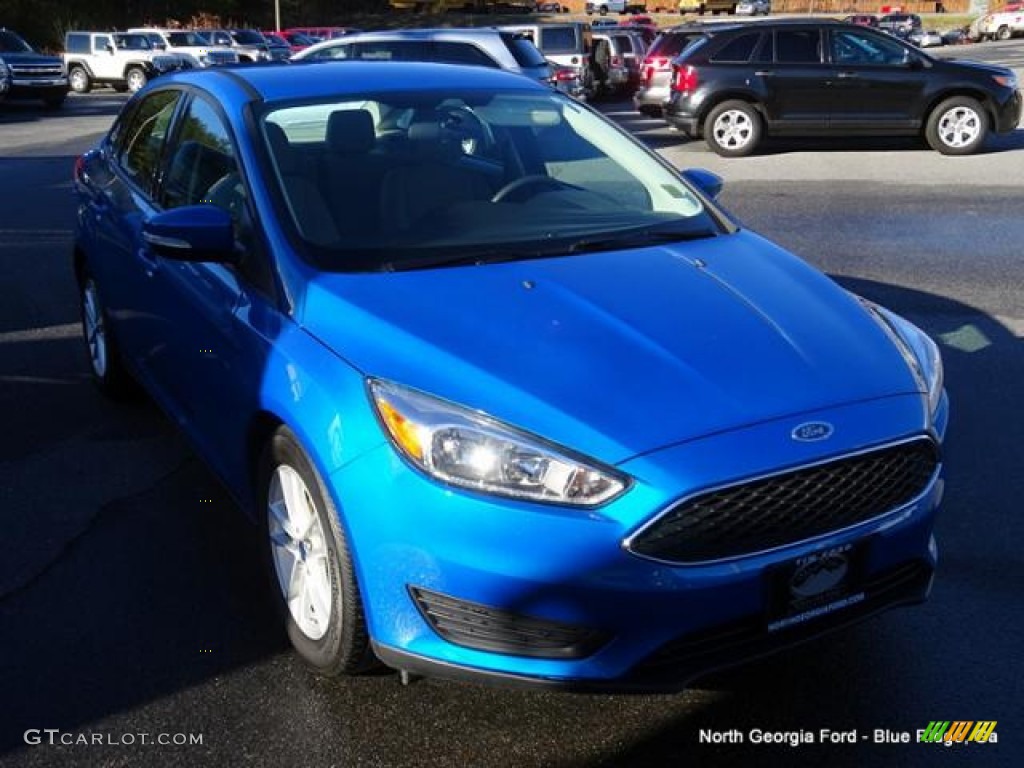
[(103, 103)]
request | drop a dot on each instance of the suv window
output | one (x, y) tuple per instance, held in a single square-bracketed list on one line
[(12, 43), (671, 44), (76, 42), (101, 42), (558, 40), (143, 138), (523, 50), (461, 53), (739, 49), (798, 46), (394, 50), (854, 47)]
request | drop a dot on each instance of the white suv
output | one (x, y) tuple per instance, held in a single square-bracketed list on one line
[(189, 43), (1002, 26)]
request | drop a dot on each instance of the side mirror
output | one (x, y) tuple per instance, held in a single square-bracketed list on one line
[(109, 47), (707, 182), (192, 233)]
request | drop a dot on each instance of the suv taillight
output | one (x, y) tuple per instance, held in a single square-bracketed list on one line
[(684, 78)]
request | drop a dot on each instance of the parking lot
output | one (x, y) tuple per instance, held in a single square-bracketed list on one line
[(129, 602)]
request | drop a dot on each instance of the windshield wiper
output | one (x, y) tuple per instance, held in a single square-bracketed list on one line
[(637, 239), (472, 258)]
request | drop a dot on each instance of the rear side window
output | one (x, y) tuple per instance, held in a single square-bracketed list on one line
[(394, 50), (558, 40), (77, 43), (461, 53), (798, 46), (142, 141), (523, 51), (671, 44), (737, 50), (334, 52), (625, 43)]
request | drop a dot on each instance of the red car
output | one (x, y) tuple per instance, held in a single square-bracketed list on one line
[(294, 40), (862, 19)]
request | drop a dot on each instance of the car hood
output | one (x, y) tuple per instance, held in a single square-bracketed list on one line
[(976, 66), (617, 353), (30, 58)]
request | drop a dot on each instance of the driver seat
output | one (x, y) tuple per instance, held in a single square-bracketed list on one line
[(430, 177)]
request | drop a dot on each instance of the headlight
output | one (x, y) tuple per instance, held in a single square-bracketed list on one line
[(922, 354), (468, 449)]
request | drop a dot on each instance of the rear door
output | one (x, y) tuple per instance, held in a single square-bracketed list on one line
[(795, 80)]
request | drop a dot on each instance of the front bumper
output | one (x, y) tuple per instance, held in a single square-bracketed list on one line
[(1008, 113), (519, 571)]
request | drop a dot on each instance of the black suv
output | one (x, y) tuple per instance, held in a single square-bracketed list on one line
[(825, 78)]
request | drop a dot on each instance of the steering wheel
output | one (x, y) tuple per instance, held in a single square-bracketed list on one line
[(536, 182), (474, 135)]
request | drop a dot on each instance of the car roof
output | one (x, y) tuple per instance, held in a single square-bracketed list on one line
[(279, 81)]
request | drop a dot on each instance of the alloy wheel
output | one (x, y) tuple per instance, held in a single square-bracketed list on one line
[(95, 329), (300, 553), (733, 129), (959, 127)]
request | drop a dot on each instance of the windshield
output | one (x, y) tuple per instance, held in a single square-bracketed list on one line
[(186, 40), (132, 42), (248, 37), (11, 43), (431, 179)]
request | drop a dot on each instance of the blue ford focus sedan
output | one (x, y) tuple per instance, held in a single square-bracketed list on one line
[(509, 396)]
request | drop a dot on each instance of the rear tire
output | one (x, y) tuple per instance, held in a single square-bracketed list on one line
[(733, 129), (1003, 33), (105, 362), (309, 563), (957, 126)]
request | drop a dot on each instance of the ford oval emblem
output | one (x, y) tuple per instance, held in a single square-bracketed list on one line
[(812, 431)]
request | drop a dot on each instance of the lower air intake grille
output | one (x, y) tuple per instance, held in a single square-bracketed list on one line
[(790, 507), (487, 629)]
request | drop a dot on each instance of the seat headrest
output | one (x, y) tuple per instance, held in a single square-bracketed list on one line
[(280, 148), (350, 131)]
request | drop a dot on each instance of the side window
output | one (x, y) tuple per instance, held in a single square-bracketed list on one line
[(102, 41), (854, 47), (737, 50), (141, 142), (334, 52), (202, 166), (798, 46), (766, 53), (77, 43), (462, 53)]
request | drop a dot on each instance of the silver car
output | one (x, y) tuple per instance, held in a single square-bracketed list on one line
[(484, 47)]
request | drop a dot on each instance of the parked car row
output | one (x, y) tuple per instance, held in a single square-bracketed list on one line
[(734, 85)]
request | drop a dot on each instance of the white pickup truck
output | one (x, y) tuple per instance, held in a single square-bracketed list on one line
[(189, 43), (604, 7), (1002, 25)]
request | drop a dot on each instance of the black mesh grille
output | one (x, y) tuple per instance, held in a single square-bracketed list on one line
[(479, 626), (791, 507)]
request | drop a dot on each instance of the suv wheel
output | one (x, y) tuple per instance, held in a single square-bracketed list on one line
[(135, 78), (309, 565), (733, 129), (79, 80), (958, 126), (1003, 33)]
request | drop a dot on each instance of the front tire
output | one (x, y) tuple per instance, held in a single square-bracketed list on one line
[(957, 126), (733, 129), (309, 563), (79, 80), (136, 79), (1003, 33)]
